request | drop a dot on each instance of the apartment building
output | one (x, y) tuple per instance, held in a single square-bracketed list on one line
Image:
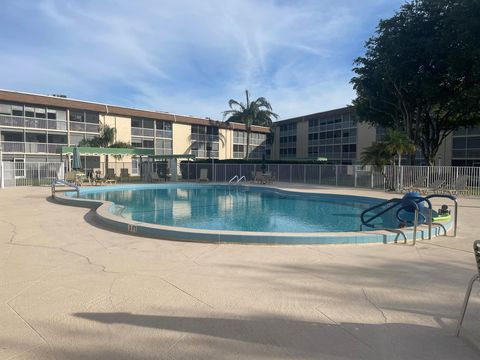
[(334, 135), (34, 128)]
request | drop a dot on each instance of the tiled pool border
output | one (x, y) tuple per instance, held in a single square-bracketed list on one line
[(104, 214)]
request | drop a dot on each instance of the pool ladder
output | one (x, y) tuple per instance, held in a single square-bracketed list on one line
[(237, 179), (401, 204), (65, 186)]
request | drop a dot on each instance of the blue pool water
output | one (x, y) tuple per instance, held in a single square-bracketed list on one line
[(240, 208)]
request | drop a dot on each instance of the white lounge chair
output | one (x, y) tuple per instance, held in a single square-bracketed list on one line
[(203, 175)]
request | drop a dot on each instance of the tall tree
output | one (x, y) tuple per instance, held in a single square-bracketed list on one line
[(421, 72), (258, 112)]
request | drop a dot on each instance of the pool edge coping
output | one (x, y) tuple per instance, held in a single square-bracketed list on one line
[(166, 232)]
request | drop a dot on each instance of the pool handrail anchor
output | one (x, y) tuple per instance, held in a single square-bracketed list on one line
[(454, 199), (56, 182), (237, 179), (476, 277), (401, 202)]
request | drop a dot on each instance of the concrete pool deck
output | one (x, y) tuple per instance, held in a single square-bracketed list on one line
[(71, 289)]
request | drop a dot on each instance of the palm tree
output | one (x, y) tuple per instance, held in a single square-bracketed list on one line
[(378, 156), (398, 143), (258, 112), (107, 135), (104, 139)]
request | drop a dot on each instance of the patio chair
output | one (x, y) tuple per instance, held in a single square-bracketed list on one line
[(79, 178), (124, 174), (203, 175), (258, 178), (434, 188), (99, 179), (155, 178), (110, 173), (70, 177), (476, 277), (418, 184), (268, 177), (459, 187), (87, 179)]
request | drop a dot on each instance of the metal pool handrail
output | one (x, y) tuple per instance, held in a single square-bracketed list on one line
[(63, 182), (396, 202), (242, 178), (233, 179), (454, 199)]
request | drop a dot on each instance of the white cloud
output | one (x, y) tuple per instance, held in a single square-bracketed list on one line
[(192, 56)]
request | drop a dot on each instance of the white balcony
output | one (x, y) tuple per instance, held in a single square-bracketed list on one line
[(34, 123), (30, 147)]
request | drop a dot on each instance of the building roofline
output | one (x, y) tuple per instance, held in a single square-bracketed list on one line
[(332, 112), (109, 109)]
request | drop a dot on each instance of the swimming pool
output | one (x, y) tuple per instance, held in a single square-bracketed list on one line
[(233, 213), (240, 208)]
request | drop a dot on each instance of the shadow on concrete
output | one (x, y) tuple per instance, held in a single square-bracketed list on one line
[(345, 340)]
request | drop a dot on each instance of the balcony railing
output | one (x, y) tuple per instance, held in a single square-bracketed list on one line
[(167, 134), (30, 147), (142, 132), (137, 131), (35, 147), (92, 128), (19, 121), (82, 127), (13, 147)]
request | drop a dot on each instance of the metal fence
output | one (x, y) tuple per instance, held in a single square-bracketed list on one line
[(356, 176), (29, 173), (448, 176), (331, 175)]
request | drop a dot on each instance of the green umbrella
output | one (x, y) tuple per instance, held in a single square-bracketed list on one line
[(77, 162)]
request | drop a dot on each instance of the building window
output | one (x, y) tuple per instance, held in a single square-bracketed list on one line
[(40, 113), (258, 143), (76, 116), (92, 118), (152, 134), (29, 111), (466, 147), (288, 140), (75, 139), (135, 166), (17, 110), (205, 141), (5, 109), (333, 137)]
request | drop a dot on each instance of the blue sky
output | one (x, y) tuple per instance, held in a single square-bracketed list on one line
[(187, 56)]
